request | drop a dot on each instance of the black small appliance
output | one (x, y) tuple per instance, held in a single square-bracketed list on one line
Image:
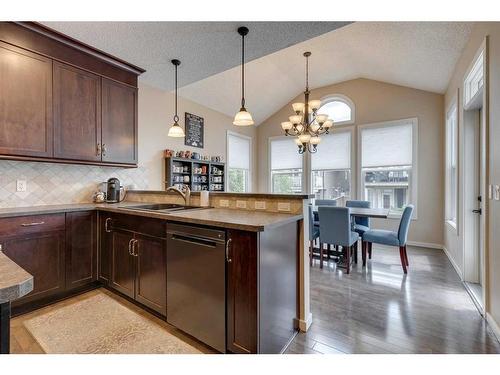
[(113, 190)]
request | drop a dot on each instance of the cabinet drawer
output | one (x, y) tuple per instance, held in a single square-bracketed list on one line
[(15, 226), (137, 224)]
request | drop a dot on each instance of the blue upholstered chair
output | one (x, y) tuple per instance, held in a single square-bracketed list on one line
[(325, 202), (313, 233), (387, 237), (361, 224), (335, 229)]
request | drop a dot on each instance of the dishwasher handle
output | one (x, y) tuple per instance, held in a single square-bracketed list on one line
[(193, 240)]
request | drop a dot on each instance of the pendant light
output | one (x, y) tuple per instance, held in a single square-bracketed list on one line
[(243, 117), (175, 130)]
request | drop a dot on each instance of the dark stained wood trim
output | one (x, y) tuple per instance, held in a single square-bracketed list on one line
[(229, 194), (66, 161)]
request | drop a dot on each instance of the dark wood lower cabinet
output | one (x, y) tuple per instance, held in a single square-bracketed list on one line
[(123, 264), (81, 254), (42, 255), (241, 302)]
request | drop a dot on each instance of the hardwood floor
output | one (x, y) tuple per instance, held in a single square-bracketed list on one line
[(379, 310)]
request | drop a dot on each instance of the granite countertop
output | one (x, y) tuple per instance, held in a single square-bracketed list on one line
[(14, 281), (256, 221)]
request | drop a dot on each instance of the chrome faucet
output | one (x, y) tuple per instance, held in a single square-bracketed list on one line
[(186, 195)]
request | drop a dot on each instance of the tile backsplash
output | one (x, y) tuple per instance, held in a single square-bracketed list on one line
[(49, 183)]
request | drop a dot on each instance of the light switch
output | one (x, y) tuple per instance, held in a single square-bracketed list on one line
[(490, 192), (224, 203), (21, 185), (260, 205), (241, 204)]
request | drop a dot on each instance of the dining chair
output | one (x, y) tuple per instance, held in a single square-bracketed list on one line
[(387, 237), (313, 233), (325, 202), (335, 229), (360, 224)]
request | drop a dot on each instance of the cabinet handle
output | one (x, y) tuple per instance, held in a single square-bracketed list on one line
[(32, 224), (130, 246), (1, 247), (104, 150), (106, 225), (134, 253), (228, 243), (98, 149)]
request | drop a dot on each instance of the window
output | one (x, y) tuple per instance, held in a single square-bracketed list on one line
[(475, 79), (238, 162), (339, 108), (286, 166), (388, 173), (331, 167), (451, 166)]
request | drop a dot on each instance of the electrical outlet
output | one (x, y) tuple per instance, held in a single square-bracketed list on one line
[(224, 203), (21, 185), (497, 193), (283, 206), (490, 192), (241, 204), (260, 205)]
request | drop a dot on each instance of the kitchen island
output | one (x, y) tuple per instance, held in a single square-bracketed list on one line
[(126, 250)]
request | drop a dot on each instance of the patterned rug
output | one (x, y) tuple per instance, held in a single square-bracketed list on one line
[(101, 325)]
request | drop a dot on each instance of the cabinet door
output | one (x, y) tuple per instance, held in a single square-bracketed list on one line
[(119, 123), (81, 253), (41, 255), (77, 113), (123, 265), (105, 247), (242, 292), (151, 288), (25, 103)]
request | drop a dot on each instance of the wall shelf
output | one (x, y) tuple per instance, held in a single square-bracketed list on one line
[(214, 176)]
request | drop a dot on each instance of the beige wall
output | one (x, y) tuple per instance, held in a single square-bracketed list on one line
[(480, 31), (156, 110), (377, 102)]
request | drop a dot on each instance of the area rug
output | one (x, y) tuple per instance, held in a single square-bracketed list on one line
[(101, 325)]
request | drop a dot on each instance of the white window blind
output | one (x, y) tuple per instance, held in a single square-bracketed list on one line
[(387, 146), (239, 152), (285, 154), (334, 152)]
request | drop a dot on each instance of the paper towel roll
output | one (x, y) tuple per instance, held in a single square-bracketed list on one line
[(204, 199)]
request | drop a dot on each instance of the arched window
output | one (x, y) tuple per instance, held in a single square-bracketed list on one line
[(339, 108)]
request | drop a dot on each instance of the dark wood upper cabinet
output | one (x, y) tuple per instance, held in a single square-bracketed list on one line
[(81, 253), (119, 122), (64, 101), (77, 113), (25, 103)]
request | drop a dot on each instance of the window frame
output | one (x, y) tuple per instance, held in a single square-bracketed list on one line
[(414, 167), (250, 159), (452, 110), (352, 161), (269, 164), (344, 99)]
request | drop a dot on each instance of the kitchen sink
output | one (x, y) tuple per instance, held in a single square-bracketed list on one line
[(162, 207)]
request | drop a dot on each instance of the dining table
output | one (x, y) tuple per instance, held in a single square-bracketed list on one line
[(375, 213)]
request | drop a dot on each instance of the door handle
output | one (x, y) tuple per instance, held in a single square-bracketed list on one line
[(104, 150), (478, 211), (98, 150), (228, 243)]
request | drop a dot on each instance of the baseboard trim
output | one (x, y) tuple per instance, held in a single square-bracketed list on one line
[(305, 324), (425, 244), (493, 325), (453, 263)]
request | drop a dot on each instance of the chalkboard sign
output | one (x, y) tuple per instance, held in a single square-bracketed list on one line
[(194, 130)]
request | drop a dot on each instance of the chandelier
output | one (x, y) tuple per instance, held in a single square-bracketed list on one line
[(307, 124)]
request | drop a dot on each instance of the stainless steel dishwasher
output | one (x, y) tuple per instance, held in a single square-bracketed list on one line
[(196, 282)]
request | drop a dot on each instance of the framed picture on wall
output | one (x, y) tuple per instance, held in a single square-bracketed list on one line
[(194, 130)]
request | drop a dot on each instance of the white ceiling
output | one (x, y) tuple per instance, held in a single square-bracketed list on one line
[(421, 55), (204, 48)]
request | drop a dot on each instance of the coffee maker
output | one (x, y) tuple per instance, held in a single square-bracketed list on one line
[(113, 191)]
